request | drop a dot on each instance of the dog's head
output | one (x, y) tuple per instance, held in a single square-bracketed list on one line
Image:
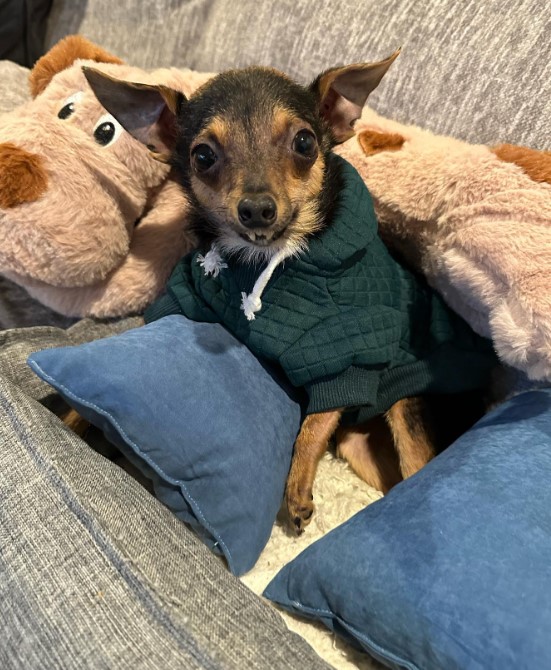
[(251, 146)]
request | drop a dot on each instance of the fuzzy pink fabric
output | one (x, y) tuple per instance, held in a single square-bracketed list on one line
[(478, 227), (77, 248)]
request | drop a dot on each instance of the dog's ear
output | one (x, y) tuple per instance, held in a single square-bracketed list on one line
[(147, 112), (342, 92)]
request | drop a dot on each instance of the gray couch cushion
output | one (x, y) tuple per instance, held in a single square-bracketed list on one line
[(18, 309), (14, 86), (95, 573), (18, 343), (477, 70)]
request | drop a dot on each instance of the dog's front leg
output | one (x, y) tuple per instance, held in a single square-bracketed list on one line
[(311, 444)]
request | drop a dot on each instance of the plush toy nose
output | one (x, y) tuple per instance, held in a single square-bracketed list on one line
[(257, 210), (22, 176)]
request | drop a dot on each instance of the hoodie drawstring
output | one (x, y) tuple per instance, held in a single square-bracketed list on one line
[(252, 303)]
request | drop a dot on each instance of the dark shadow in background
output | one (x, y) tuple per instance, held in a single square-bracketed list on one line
[(23, 29)]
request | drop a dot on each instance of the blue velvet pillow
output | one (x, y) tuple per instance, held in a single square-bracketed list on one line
[(198, 414), (452, 569)]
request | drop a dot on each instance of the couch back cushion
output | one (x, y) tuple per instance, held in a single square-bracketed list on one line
[(480, 71)]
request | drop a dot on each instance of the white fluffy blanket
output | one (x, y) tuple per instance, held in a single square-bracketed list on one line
[(338, 495)]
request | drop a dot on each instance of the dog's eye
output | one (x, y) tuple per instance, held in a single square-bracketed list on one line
[(69, 106), (305, 143), (107, 130), (203, 157)]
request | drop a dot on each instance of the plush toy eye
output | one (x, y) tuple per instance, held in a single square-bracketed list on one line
[(305, 143), (66, 111), (107, 130), (203, 157), (69, 106)]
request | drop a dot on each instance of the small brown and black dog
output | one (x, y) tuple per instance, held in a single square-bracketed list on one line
[(253, 153)]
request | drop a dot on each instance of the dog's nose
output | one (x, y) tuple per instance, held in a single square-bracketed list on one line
[(22, 176), (257, 210)]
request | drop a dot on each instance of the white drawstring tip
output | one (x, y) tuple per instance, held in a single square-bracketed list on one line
[(212, 263), (250, 304)]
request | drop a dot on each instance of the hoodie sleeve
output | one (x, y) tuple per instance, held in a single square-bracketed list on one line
[(181, 297)]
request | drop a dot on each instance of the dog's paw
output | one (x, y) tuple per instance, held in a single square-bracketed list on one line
[(300, 510)]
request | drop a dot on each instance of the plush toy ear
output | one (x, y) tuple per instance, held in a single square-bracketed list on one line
[(342, 93), (536, 164), (147, 112), (62, 56)]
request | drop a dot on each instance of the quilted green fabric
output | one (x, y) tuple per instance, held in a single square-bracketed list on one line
[(344, 320)]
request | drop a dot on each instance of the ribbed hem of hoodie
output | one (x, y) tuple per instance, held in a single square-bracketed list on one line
[(163, 306), (355, 386), (366, 393)]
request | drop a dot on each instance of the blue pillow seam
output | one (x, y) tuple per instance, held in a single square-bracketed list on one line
[(385, 653), (176, 482)]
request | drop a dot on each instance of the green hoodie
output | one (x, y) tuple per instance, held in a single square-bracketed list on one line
[(343, 319)]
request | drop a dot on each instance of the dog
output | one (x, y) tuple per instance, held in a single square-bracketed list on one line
[(253, 152)]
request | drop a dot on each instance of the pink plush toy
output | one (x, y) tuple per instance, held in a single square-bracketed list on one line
[(90, 223), (475, 220)]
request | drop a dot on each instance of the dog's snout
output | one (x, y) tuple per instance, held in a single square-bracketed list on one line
[(22, 176), (257, 210)]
